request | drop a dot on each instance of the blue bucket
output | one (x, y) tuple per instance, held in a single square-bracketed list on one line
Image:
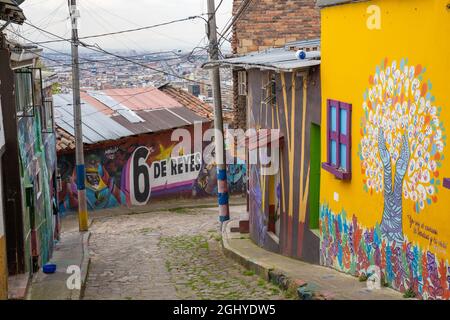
[(49, 268)]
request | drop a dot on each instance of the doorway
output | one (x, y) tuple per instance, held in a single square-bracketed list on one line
[(314, 179)]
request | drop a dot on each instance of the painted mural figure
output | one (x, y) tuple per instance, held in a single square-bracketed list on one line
[(402, 145), (101, 190)]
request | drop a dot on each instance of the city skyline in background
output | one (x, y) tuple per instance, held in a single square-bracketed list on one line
[(106, 16)]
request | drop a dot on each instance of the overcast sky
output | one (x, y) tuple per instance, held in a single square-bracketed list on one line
[(101, 16)]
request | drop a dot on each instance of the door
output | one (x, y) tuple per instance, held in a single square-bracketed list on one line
[(314, 179)]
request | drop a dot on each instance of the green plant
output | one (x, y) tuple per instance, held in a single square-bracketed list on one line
[(249, 273), (362, 277), (409, 294)]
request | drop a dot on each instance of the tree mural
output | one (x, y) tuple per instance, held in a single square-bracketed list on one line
[(402, 142)]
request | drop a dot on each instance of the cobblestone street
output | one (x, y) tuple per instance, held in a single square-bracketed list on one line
[(173, 254)]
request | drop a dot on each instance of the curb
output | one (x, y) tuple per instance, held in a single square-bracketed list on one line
[(84, 267), (297, 287), (85, 264)]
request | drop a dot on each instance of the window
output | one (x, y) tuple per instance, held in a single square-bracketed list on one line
[(269, 89), (47, 123), (242, 83), (339, 139), (447, 183), (28, 82), (24, 93)]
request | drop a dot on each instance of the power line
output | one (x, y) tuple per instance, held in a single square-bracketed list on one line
[(97, 48), (122, 31), (105, 62), (242, 8)]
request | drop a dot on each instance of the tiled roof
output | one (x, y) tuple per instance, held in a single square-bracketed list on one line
[(65, 141), (189, 101)]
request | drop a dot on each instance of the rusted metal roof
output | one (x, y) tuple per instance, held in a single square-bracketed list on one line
[(141, 98), (189, 101), (117, 113)]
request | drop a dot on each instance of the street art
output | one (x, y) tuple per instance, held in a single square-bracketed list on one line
[(401, 153), (349, 247), (101, 189), (38, 161), (141, 169), (258, 223), (403, 140)]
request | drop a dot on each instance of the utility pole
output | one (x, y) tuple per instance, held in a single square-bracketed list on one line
[(79, 153), (222, 185)]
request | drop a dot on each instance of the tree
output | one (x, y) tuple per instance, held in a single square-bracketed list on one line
[(402, 142)]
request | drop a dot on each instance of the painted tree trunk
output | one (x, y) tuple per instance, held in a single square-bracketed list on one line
[(392, 221)]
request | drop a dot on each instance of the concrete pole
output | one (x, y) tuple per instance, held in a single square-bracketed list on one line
[(79, 153), (222, 185)]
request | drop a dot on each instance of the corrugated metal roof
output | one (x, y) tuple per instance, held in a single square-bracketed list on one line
[(106, 114), (141, 98), (161, 119), (188, 100), (116, 106), (281, 59), (327, 3), (96, 126)]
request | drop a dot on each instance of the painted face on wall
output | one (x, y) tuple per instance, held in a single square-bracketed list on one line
[(93, 179)]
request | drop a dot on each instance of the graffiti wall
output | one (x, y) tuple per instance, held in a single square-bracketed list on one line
[(3, 260), (393, 213), (136, 170), (281, 211), (38, 163)]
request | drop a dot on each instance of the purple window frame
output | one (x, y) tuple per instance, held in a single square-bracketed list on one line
[(346, 139), (447, 183)]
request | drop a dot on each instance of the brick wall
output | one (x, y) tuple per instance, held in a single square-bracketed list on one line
[(272, 23)]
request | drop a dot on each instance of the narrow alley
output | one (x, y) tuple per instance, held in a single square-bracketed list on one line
[(172, 254)]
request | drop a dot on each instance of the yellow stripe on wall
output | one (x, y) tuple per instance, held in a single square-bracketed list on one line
[(3, 270)]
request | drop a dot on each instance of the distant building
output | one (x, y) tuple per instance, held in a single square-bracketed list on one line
[(194, 89), (127, 136)]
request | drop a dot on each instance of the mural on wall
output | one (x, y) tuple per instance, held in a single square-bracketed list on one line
[(38, 161), (349, 247), (403, 140), (140, 169), (279, 205), (258, 217), (401, 153)]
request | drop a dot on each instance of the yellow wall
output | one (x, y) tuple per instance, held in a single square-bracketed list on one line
[(3, 270), (418, 31)]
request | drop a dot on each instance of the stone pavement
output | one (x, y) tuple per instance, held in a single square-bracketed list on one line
[(321, 282), (71, 250), (170, 254)]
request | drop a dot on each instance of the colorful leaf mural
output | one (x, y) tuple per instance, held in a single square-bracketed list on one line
[(402, 144), (402, 267)]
